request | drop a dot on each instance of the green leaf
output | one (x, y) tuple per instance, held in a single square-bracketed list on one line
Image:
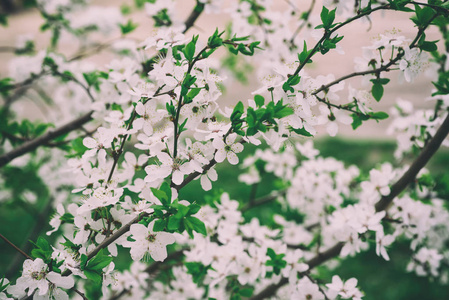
[(259, 100), (237, 113), (40, 128), (327, 17), (215, 40), (196, 225), (6, 86), (3, 286), (429, 46), (78, 146), (83, 261), (379, 115), (42, 250), (197, 270), (159, 225), (324, 15), (377, 91), (3, 20), (283, 112), (99, 262), (161, 195), (246, 292), (357, 120), (94, 276), (165, 187), (423, 15), (173, 223), (188, 81), (191, 95), (189, 50), (193, 209), (182, 210), (182, 126), (70, 245), (301, 131), (128, 27)]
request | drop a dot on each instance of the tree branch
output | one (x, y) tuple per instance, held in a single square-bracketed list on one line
[(15, 247), (44, 139), (194, 175), (191, 19)]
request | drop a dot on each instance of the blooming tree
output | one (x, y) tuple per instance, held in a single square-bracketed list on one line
[(128, 136)]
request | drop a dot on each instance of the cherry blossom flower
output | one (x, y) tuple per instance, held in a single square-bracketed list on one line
[(306, 290), (36, 275), (146, 241), (168, 166), (149, 116), (346, 290), (413, 63), (381, 242), (227, 150)]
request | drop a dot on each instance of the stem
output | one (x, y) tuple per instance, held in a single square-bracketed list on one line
[(7, 49), (40, 222), (196, 12), (306, 20), (79, 293), (15, 247), (263, 200), (194, 175), (178, 111), (72, 78), (329, 33)]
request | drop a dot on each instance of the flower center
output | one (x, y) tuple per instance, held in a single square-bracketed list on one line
[(38, 275), (151, 238)]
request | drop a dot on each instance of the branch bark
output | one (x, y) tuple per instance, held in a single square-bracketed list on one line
[(44, 139), (191, 19)]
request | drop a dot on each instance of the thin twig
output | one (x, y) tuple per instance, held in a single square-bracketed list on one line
[(15, 247)]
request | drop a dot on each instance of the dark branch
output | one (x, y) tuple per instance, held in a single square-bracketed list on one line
[(44, 139), (15, 247), (196, 12)]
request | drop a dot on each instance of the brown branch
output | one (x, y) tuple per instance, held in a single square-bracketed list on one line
[(194, 175), (73, 78), (8, 49), (79, 293), (110, 240), (44, 139), (425, 155), (40, 222), (301, 26), (263, 200), (191, 19), (15, 247)]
